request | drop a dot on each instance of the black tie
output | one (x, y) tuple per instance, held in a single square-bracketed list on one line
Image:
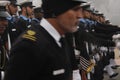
[(66, 53), (64, 45), (63, 42)]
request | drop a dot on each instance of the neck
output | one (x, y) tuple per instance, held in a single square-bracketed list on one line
[(24, 14), (55, 24)]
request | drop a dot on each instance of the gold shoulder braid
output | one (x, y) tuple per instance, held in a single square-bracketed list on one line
[(30, 34)]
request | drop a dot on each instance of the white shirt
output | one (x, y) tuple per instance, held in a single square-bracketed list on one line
[(51, 30)]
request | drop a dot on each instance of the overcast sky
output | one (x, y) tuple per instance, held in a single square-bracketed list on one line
[(110, 8)]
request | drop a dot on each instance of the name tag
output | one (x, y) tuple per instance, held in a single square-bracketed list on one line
[(60, 71), (29, 26), (13, 29)]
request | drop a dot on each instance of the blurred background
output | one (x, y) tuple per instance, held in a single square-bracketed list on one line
[(110, 8)]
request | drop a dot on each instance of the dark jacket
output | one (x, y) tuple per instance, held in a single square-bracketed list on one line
[(36, 56), (11, 29), (22, 25)]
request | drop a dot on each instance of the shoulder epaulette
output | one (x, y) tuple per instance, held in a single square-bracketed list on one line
[(30, 34)]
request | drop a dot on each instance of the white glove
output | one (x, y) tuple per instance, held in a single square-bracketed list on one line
[(76, 75), (118, 45), (97, 56)]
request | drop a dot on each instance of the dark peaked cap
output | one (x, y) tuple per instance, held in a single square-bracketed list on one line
[(2, 8), (3, 12), (14, 2), (53, 8), (85, 5), (38, 10), (27, 3)]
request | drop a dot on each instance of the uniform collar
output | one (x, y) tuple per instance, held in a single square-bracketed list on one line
[(24, 17), (50, 29), (36, 19), (9, 18)]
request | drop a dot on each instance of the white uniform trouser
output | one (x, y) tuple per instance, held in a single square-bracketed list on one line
[(109, 70), (2, 75)]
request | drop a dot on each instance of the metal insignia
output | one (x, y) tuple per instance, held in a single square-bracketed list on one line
[(30, 35), (30, 32)]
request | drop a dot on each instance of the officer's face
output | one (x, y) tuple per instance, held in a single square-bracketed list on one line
[(69, 20), (13, 9), (29, 10), (102, 19), (86, 14), (3, 25)]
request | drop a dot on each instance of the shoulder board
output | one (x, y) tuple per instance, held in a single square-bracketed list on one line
[(30, 34)]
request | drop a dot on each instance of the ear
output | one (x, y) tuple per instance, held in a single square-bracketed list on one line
[(7, 7)]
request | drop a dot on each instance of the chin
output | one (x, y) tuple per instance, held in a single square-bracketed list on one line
[(74, 29)]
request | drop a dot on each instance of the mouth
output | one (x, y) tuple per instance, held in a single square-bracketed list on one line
[(77, 23)]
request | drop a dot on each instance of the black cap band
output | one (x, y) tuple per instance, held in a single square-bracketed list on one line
[(2, 8), (27, 4)]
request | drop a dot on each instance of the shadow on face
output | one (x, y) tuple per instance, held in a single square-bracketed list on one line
[(3, 24)]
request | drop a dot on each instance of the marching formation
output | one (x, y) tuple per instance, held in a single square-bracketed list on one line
[(59, 40)]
